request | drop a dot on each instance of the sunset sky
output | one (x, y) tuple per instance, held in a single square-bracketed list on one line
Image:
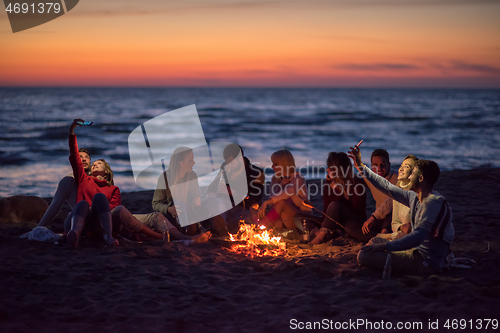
[(245, 43)]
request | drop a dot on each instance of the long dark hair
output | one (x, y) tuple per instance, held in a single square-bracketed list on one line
[(340, 164)]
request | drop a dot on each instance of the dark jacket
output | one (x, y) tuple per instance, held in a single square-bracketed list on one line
[(255, 184)]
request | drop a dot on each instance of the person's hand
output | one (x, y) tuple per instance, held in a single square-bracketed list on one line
[(367, 226), (374, 248), (173, 211), (355, 155), (262, 210), (386, 231), (285, 181), (406, 228), (73, 126)]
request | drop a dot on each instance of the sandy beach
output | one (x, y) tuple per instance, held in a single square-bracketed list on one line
[(153, 287)]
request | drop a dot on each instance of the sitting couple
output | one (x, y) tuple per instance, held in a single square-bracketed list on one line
[(96, 201)]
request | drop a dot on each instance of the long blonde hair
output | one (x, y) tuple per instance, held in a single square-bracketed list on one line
[(179, 154), (109, 172), (414, 159)]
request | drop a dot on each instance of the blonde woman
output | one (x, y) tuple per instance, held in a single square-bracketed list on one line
[(180, 175), (179, 178), (288, 191), (401, 222)]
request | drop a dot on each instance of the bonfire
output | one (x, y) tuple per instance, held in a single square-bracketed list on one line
[(255, 241)]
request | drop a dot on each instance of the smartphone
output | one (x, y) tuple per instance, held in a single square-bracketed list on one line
[(85, 123)]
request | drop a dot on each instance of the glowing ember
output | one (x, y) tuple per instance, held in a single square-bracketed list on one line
[(259, 242), (307, 205)]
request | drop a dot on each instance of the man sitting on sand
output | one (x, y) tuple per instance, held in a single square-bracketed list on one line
[(254, 186), (380, 220), (66, 191), (424, 250)]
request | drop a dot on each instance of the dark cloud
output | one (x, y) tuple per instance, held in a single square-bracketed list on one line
[(377, 67), (463, 66)]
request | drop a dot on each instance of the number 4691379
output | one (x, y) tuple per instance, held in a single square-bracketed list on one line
[(40, 8)]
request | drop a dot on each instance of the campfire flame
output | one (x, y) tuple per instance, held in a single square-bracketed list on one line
[(259, 242)]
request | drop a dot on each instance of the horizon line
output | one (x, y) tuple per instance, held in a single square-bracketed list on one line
[(241, 87)]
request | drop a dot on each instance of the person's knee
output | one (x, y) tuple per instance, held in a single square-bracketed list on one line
[(64, 189), (363, 258), (118, 215), (335, 205), (81, 209), (101, 202), (279, 206), (82, 205), (100, 197), (119, 211), (67, 182)]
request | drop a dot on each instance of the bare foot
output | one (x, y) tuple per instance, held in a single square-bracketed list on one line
[(313, 232), (320, 236), (219, 225), (202, 238)]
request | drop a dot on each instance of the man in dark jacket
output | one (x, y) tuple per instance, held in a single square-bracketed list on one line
[(243, 196)]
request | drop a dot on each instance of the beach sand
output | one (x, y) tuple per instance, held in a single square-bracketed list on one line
[(155, 287)]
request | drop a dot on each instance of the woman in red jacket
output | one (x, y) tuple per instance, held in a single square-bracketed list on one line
[(95, 198)]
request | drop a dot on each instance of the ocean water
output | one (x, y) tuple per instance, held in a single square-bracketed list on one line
[(459, 129)]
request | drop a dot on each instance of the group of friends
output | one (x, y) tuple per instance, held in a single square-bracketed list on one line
[(412, 223)]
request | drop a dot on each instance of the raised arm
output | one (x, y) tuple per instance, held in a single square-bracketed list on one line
[(74, 156), (380, 183)]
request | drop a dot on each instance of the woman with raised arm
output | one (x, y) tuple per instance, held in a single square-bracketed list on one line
[(96, 196), (288, 192)]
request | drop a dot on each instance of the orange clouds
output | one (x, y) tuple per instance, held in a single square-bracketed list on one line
[(264, 43)]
